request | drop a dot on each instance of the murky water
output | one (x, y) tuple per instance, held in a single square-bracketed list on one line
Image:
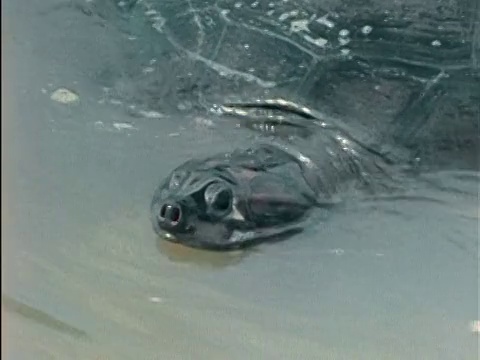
[(85, 277)]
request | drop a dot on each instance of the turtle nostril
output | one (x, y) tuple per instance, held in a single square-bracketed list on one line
[(163, 210), (170, 214), (175, 214)]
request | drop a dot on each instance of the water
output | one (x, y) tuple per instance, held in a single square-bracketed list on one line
[(85, 277)]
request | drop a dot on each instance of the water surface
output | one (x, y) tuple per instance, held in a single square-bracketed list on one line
[(86, 278)]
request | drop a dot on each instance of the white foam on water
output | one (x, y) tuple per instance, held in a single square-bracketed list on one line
[(320, 42), (367, 29), (299, 25), (324, 21), (287, 15), (123, 126)]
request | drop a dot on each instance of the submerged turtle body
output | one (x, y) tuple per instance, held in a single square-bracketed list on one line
[(376, 63)]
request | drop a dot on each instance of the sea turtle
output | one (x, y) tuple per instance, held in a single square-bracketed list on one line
[(236, 199), (349, 95), (231, 199)]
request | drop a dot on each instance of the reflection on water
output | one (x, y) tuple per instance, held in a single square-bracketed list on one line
[(86, 278), (183, 254)]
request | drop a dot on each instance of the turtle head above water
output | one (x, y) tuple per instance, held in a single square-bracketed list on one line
[(232, 200)]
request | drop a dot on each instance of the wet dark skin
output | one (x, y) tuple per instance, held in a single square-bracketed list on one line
[(237, 199), (307, 160)]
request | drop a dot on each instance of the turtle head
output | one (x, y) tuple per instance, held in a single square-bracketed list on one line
[(231, 200)]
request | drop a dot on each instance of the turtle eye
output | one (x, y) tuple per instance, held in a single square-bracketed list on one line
[(218, 198)]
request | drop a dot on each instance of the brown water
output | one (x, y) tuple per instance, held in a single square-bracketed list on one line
[(84, 277)]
